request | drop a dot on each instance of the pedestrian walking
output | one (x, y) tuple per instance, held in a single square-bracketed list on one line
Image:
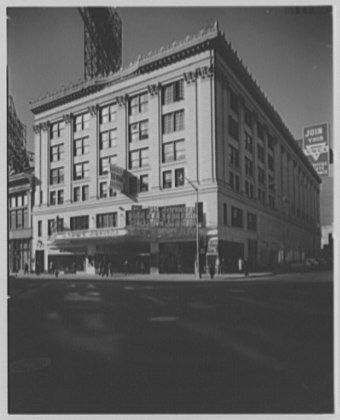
[(245, 267), (126, 263), (212, 270), (26, 269)]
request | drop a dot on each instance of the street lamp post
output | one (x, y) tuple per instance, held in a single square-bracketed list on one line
[(198, 271)]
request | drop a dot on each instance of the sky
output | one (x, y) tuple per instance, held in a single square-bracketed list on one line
[(289, 52)]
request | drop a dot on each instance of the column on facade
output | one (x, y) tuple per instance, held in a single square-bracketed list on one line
[(191, 140), (93, 132), (155, 133), (44, 161), (37, 160), (203, 102), (241, 142), (68, 157)]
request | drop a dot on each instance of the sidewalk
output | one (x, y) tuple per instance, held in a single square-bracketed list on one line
[(144, 277)]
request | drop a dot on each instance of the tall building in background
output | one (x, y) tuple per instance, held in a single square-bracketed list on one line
[(126, 162), (102, 41), (18, 159)]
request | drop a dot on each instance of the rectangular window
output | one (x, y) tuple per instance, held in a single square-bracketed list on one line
[(25, 198), (85, 192), (249, 167), (103, 189), (271, 142), (261, 176), (236, 217), (271, 200), (270, 162), (234, 158), (108, 113), (53, 198), (259, 130), (232, 127), (25, 218), (13, 220), (249, 189), (260, 153), (81, 146), (105, 162), (79, 223), (81, 122), (57, 129), (248, 118), (139, 131), (234, 182), (138, 158), (108, 139), (252, 222), (233, 101), (76, 194), (60, 224), (167, 179), (19, 219), (19, 201), (61, 197), (261, 196), (144, 183), (13, 201), (39, 228), (81, 170), (106, 220), (179, 177), (56, 176), (173, 92), (248, 142), (173, 121), (225, 214), (57, 152), (173, 151), (50, 227), (139, 104)]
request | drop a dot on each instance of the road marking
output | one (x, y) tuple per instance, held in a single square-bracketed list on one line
[(29, 365), (163, 318)]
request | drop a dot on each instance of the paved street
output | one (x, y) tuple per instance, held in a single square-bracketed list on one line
[(257, 345)]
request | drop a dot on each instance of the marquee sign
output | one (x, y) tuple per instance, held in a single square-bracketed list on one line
[(316, 147)]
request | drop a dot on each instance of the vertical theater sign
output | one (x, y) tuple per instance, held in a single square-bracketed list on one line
[(316, 147)]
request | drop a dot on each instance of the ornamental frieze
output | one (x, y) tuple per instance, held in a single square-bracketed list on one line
[(36, 128), (44, 126), (190, 77)]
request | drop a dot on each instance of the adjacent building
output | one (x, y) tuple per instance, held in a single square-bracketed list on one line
[(20, 233), (127, 164)]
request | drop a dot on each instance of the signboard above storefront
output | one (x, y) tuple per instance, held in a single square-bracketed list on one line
[(316, 147)]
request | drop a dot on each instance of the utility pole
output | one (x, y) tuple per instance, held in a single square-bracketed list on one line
[(198, 271)]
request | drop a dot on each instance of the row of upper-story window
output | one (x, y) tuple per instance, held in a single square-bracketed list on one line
[(18, 200), (18, 219), (237, 218), (171, 152), (234, 161), (138, 104), (172, 178)]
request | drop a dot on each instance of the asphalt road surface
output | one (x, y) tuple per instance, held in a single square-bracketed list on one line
[(133, 347)]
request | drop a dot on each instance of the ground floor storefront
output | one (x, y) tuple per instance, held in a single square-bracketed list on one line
[(19, 254)]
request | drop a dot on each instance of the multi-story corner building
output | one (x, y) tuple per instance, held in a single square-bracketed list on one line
[(20, 204), (114, 157)]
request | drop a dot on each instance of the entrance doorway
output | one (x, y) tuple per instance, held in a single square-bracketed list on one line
[(39, 261)]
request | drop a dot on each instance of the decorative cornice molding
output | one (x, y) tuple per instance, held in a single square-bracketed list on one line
[(154, 89), (68, 118)]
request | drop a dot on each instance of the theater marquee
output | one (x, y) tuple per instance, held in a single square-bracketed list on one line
[(316, 147)]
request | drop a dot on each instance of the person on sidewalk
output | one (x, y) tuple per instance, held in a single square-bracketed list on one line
[(245, 267), (26, 269), (212, 270)]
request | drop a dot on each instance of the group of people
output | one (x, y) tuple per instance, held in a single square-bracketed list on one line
[(242, 267)]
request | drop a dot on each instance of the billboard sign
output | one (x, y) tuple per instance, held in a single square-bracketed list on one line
[(116, 178), (316, 147)]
